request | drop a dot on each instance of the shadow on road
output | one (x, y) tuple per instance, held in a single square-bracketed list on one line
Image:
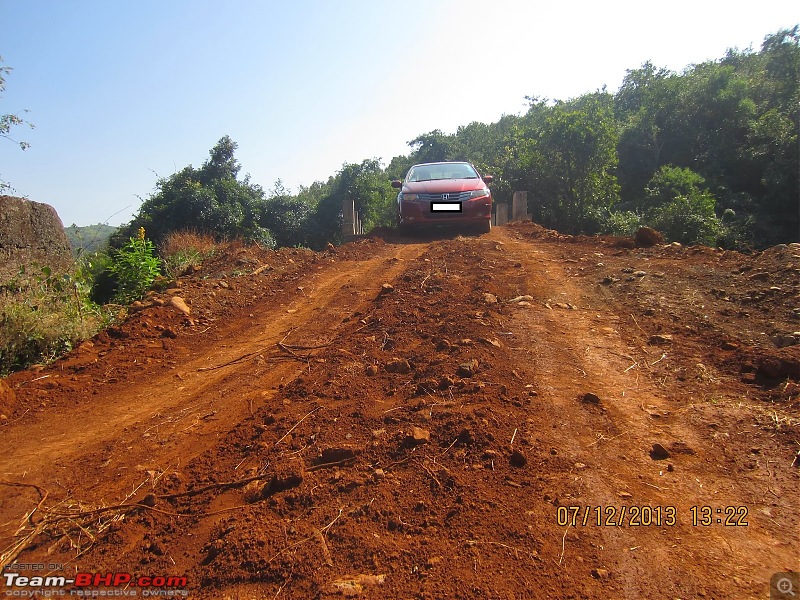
[(420, 235)]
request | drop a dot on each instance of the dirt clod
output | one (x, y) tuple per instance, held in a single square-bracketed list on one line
[(418, 436), (398, 365), (658, 452), (180, 304), (518, 459), (590, 398), (467, 369), (647, 237)]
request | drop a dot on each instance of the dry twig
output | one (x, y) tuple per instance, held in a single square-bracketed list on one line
[(319, 531), (308, 414)]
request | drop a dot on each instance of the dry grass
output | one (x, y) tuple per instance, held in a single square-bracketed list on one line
[(42, 316), (184, 250)]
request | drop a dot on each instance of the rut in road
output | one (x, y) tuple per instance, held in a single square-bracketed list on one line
[(579, 345), (161, 425)]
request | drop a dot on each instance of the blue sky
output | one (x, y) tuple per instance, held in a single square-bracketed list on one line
[(122, 91)]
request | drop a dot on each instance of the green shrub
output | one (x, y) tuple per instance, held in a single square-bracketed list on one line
[(683, 221), (617, 222), (43, 315), (135, 268), (680, 207)]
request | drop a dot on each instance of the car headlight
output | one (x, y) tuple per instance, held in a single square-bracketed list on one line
[(409, 197), (479, 193)]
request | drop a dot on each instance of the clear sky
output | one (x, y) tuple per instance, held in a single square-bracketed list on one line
[(124, 91)]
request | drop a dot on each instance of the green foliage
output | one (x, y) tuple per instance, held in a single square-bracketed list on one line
[(289, 217), (670, 182), (8, 122), (210, 199), (433, 146), (685, 221), (734, 121), (371, 191), (726, 130), (135, 268), (618, 222), (678, 206), (44, 314), (567, 160)]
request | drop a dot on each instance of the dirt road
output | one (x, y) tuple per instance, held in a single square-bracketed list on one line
[(515, 415)]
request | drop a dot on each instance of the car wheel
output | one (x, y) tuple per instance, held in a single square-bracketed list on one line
[(402, 228), (485, 227)]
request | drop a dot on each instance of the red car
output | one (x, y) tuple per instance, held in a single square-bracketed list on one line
[(444, 193)]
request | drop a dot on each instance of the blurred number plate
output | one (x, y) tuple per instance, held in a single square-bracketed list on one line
[(446, 207)]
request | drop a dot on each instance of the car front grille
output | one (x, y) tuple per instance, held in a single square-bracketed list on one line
[(451, 197)]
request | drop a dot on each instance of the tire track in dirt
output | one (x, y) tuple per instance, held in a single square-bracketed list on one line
[(186, 409), (573, 346)]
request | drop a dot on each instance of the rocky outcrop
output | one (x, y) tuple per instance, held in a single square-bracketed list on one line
[(31, 233)]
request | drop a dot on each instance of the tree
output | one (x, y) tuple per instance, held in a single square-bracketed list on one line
[(492, 149), (370, 189), (8, 122), (641, 109), (288, 217), (568, 159), (734, 121), (209, 199), (433, 146)]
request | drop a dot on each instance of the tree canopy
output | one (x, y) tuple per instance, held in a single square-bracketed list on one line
[(209, 200), (706, 155)]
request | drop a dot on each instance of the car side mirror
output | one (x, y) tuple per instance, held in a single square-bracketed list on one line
[(488, 179), (397, 184)]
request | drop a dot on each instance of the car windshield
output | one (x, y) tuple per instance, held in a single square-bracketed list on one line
[(441, 171)]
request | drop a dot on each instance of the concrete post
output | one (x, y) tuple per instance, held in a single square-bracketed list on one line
[(502, 213), (348, 217), (520, 206)]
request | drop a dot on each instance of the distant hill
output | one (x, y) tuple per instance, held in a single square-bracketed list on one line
[(90, 238)]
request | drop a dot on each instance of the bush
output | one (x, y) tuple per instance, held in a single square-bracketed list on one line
[(135, 268), (622, 223), (683, 221), (261, 236), (678, 206), (43, 315)]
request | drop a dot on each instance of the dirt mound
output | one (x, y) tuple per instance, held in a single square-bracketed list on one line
[(31, 233), (430, 416)]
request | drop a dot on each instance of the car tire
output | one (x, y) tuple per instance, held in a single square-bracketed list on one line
[(403, 228), (485, 227)]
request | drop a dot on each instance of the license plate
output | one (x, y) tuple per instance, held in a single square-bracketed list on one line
[(445, 207)]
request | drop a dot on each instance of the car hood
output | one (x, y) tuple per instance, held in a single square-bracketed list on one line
[(441, 186)]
